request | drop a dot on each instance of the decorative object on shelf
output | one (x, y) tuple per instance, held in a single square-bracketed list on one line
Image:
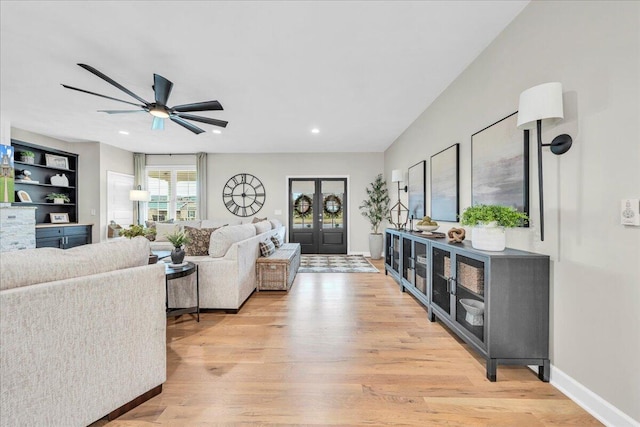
[(417, 189), (113, 231), (489, 222), (456, 235), (59, 218), (158, 109), (60, 180), (24, 197), (445, 184), (475, 311), (500, 165), (139, 195), (243, 195), (375, 208), (543, 103), (55, 161), (398, 213), (178, 239), (27, 156), (24, 177), (427, 225), (6, 174), (58, 198)]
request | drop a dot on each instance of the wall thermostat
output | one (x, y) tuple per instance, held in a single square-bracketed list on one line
[(630, 212)]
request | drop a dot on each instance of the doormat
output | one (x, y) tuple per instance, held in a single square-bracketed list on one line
[(335, 264)]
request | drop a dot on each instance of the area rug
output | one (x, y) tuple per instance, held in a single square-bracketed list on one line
[(335, 264)]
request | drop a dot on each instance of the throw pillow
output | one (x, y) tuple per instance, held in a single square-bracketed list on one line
[(276, 241), (256, 219), (200, 238), (262, 227), (162, 230), (275, 223), (267, 248)]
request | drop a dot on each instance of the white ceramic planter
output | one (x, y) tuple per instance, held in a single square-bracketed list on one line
[(58, 201), (489, 238), (375, 245)]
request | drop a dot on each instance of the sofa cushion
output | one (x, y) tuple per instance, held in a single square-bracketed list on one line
[(262, 227), (217, 223), (256, 219), (267, 248), (162, 230), (199, 240), (224, 237), (275, 223), (31, 266)]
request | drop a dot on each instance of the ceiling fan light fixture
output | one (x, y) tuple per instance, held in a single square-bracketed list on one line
[(159, 112)]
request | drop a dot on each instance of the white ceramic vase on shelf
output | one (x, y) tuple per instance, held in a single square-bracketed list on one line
[(60, 180), (489, 237)]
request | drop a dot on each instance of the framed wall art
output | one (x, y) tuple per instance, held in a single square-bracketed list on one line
[(500, 165), (24, 197), (56, 161), (417, 190), (59, 218), (445, 184)]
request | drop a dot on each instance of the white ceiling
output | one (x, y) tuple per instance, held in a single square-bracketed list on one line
[(359, 71)]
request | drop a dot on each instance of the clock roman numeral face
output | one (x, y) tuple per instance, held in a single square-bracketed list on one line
[(243, 195)]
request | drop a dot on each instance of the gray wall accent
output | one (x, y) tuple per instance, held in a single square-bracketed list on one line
[(593, 49)]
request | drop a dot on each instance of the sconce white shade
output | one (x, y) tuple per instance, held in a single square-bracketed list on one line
[(396, 175), (542, 102), (139, 195)]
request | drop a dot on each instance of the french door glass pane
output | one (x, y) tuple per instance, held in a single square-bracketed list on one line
[(302, 193), (332, 204)]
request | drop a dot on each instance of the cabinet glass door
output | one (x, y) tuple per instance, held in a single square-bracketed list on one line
[(420, 258), (388, 250), (395, 256), (469, 295), (440, 285), (408, 268)]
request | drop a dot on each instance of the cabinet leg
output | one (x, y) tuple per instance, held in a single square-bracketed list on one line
[(432, 316), (544, 371), (386, 272), (492, 366)]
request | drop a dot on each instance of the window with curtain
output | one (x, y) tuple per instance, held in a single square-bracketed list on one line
[(173, 192)]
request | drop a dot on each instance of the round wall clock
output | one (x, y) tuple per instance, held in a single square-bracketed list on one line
[(243, 194)]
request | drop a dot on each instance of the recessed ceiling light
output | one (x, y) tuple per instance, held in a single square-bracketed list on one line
[(216, 131), (315, 130), (123, 132)]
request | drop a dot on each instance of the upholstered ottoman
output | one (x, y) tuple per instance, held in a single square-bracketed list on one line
[(277, 271)]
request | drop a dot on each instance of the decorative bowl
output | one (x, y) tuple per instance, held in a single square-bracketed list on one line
[(473, 306), (427, 228)]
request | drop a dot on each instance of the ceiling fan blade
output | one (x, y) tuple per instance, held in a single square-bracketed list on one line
[(158, 124), (121, 111), (201, 119), (109, 80), (193, 128), (162, 88), (199, 106), (103, 96)]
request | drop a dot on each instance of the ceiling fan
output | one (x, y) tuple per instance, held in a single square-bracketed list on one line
[(158, 109)]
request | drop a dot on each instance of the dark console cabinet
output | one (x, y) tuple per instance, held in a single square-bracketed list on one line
[(64, 236), (497, 302)]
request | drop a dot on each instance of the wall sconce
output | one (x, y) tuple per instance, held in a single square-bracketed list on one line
[(139, 195), (543, 103), (398, 210)]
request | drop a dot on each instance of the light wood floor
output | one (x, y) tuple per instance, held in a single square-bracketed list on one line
[(339, 349)]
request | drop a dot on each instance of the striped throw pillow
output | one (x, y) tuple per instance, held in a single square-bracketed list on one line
[(267, 248)]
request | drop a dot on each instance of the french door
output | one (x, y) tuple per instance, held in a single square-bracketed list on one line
[(317, 214)]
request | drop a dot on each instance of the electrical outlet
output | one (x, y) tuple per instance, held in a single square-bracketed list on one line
[(93, 212), (277, 212)]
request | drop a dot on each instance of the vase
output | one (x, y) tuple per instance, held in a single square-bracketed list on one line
[(58, 201), (489, 237), (375, 245), (60, 180), (177, 255)]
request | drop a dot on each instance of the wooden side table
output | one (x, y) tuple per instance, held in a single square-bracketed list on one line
[(174, 273)]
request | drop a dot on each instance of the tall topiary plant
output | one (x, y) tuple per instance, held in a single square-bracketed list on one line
[(376, 207)]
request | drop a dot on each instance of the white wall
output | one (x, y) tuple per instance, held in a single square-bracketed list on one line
[(115, 160), (273, 170), (593, 49)]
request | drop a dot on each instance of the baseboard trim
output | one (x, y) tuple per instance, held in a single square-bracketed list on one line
[(602, 410), (135, 402)]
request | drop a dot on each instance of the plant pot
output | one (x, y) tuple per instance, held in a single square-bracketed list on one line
[(177, 255), (375, 245), (26, 159), (58, 201), (488, 238)]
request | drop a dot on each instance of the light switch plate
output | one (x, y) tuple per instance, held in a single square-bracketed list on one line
[(630, 212)]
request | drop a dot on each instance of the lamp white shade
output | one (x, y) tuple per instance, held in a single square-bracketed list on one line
[(542, 102), (396, 175), (139, 195)]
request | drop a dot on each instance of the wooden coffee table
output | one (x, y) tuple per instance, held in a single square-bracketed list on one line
[(175, 273)]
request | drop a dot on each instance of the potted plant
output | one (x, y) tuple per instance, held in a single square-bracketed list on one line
[(376, 209), (27, 156), (489, 222), (178, 239), (58, 198), (138, 230)]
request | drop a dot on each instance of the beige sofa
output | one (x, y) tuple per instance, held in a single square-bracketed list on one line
[(227, 275), (82, 332)]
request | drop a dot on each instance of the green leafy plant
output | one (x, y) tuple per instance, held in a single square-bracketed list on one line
[(138, 230), (178, 239), (503, 216), (376, 207), (27, 154), (53, 196)]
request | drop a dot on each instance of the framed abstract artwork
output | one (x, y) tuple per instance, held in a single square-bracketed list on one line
[(417, 190), (445, 179), (500, 165)]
